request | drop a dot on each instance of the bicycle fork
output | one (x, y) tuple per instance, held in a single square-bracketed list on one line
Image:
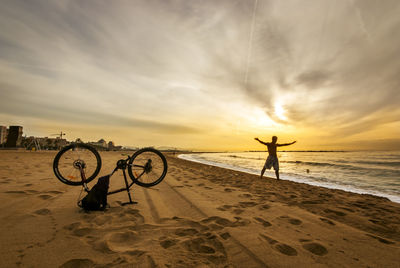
[(83, 178)]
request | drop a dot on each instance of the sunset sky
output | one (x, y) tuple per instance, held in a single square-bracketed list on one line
[(204, 75)]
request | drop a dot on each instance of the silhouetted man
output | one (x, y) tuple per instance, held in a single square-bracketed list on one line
[(272, 160)]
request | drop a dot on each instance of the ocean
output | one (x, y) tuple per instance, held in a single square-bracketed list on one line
[(376, 173)]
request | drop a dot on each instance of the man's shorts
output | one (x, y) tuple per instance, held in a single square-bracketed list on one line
[(272, 161)]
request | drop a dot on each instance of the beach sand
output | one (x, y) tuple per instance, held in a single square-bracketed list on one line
[(199, 216)]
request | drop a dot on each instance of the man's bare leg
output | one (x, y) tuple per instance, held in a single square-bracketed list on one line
[(277, 174), (262, 172)]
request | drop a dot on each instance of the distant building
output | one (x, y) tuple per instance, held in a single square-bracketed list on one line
[(55, 143), (44, 143), (111, 145), (100, 144), (3, 135), (14, 137)]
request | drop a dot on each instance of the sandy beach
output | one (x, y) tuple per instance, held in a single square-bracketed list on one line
[(199, 216)]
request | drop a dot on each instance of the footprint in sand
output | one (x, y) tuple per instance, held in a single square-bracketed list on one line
[(240, 222), (327, 221), (264, 207), (224, 207), (375, 221), (43, 211), (263, 222), (186, 232), (45, 196), (270, 240), (122, 238), (198, 245), (337, 213), (117, 242), (238, 211), (215, 227), (247, 204), (225, 222), (72, 226), (286, 249), (315, 248), (102, 219), (228, 190), (282, 248), (225, 235), (81, 263), (102, 246), (83, 231), (291, 220), (168, 243), (348, 209), (245, 195), (380, 239)]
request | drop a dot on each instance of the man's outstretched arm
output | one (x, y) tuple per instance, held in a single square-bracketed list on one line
[(265, 143), (285, 144)]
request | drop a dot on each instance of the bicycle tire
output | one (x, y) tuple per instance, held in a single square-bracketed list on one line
[(70, 177), (147, 175)]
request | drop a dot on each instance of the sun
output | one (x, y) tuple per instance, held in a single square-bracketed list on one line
[(280, 111)]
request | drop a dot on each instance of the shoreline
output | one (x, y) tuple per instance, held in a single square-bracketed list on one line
[(310, 194), (294, 178)]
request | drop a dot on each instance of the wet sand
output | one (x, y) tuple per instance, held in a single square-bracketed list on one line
[(199, 216)]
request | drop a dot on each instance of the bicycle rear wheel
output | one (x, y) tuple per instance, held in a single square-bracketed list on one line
[(147, 167), (77, 163)]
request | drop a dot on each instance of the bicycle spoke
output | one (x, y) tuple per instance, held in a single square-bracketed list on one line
[(138, 176), (147, 167), (68, 163), (138, 166)]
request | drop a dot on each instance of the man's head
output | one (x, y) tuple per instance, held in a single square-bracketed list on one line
[(274, 139)]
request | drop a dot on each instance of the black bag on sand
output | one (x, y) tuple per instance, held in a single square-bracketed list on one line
[(96, 199)]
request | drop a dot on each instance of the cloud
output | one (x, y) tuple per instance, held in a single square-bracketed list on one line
[(178, 64), (28, 106), (313, 79), (328, 75)]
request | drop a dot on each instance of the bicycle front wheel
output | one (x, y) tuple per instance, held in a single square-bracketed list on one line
[(147, 167), (77, 163)]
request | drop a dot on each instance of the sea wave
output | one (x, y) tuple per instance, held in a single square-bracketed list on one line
[(337, 163), (356, 165), (333, 180)]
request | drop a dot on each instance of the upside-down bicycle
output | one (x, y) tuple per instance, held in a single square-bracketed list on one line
[(78, 164)]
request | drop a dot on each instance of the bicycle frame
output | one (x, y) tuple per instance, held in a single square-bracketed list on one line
[(121, 164)]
